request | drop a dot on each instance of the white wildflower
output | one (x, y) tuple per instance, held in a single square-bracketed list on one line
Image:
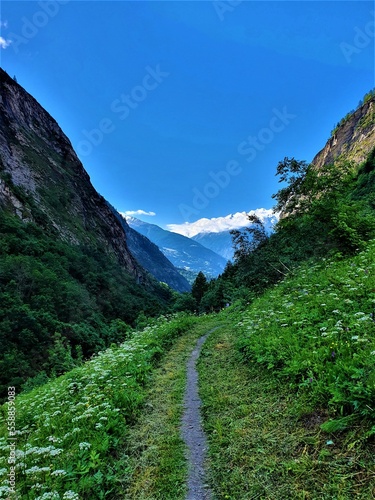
[(58, 472), (37, 486), (54, 439), (70, 495), (36, 470), (84, 446), (49, 495), (5, 489)]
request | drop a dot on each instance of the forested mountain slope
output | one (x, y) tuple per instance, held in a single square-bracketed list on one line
[(68, 283)]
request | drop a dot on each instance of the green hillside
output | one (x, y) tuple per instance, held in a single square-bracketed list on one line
[(68, 283), (329, 212)]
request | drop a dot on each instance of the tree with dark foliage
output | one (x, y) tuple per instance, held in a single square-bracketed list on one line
[(199, 287)]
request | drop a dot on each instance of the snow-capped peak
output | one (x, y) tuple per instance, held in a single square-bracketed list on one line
[(219, 224)]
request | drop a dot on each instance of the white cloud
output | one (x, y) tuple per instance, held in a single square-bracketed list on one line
[(219, 224), (3, 24), (4, 43), (137, 212)]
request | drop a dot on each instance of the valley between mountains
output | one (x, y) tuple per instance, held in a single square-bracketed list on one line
[(137, 363)]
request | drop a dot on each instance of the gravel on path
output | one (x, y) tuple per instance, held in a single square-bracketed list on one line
[(192, 430)]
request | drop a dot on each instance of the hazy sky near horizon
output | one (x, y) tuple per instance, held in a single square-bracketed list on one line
[(183, 109)]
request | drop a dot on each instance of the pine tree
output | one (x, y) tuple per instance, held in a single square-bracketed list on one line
[(199, 287)]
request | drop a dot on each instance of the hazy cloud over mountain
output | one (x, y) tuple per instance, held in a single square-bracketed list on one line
[(220, 224)]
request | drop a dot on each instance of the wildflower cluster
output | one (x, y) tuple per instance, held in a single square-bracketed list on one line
[(68, 429), (317, 330)]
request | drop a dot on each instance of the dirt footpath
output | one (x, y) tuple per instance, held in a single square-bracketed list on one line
[(192, 430)]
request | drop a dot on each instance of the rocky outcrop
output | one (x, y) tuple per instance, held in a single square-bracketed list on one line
[(353, 139), (42, 179)]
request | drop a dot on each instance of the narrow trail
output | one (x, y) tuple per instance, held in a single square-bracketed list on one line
[(192, 430)]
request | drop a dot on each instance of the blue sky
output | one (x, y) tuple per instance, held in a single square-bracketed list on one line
[(184, 109)]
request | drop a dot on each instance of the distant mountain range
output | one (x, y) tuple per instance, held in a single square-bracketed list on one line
[(220, 243), (215, 233), (183, 252), (151, 258)]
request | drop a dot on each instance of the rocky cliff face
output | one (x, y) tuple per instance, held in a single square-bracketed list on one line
[(42, 179), (353, 140)]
